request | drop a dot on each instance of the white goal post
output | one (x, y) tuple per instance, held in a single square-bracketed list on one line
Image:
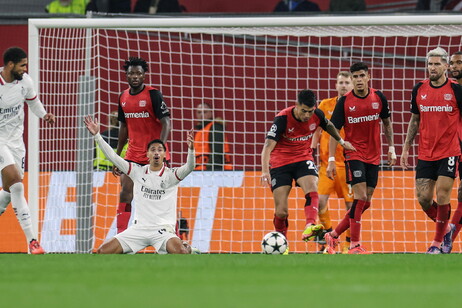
[(248, 69)]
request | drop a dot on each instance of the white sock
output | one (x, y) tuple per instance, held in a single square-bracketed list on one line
[(5, 199), (21, 209)]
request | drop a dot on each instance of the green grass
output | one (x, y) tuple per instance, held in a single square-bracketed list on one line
[(302, 280)]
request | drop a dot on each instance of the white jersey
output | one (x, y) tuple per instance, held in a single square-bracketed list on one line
[(154, 192), (12, 98)]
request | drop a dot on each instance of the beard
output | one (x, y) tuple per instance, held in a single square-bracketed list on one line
[(456, 74), (16, 76), (435, 77)]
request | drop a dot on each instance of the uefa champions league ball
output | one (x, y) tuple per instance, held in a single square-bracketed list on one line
[(274, 243)]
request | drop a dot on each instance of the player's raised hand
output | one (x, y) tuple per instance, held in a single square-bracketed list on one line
[(190, 139), (92, 125), (348, 146), (49, 118)]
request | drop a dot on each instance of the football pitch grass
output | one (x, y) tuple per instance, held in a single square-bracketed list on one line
[(298, 280)]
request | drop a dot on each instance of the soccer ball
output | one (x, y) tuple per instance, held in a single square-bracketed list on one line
[(274, 243)]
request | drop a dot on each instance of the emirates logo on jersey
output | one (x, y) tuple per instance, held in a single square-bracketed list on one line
[(142, 103), (447, 97)]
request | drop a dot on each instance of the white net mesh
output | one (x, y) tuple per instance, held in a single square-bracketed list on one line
[(247, 75)]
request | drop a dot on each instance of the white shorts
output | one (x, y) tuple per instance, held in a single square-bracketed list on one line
[(10, 156), (136, 238)]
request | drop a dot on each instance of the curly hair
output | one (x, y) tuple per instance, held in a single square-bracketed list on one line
[(135, 61)]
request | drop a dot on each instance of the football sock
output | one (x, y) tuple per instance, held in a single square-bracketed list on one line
[(5, 199), (343, 225), (355, 221), (457, 220), (123, 216), (281, 224), (311, 207), (431, 211), (325, 220), (442, 220), (22, 210)]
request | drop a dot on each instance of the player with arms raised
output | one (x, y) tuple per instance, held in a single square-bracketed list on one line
[(360, 112), (16, 87), (155, 193), (436, 105), (287, 151), (143, 116)]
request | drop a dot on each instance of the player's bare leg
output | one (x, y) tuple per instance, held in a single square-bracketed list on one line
[(309, 185), (12, 183), (113, 246), (125, 198), (176, 246)]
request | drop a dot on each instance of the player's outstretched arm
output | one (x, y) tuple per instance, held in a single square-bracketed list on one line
[(330, 128), (93, 127), (187, 168)]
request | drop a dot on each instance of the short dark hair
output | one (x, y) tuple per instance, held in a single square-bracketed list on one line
[(307, 97), (156, 141), (14, 54), (359, 66), (457, 53), (134, 61)]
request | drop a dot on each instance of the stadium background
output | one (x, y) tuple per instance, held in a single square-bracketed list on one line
[(246, 157)]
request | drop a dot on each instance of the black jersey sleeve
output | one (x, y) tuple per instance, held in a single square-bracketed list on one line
[(278, 128), (414, 107), (385, 112), (120, 112), (322, 118), (338, 116), (458, 94), (158, 105)]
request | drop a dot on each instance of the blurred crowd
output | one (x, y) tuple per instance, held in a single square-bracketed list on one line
[(174, 6)]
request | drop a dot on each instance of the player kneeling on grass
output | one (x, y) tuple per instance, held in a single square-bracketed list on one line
[(155, 193)]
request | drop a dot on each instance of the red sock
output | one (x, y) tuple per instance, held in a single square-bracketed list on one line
[(442, 220), (431, 211), (311, 207), (457, 220), (344, 223), (281, 224), (366, 206), (355, 219), (123, 216)]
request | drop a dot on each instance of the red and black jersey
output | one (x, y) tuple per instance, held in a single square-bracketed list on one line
[(360, 117), (142, 113), (439, 109), (293, 137)]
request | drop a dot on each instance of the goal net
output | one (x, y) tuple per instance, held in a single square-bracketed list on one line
[(247, 69)]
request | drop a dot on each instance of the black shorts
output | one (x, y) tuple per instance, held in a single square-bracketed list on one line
[(284, 175), (360, 172), (433, 169)]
